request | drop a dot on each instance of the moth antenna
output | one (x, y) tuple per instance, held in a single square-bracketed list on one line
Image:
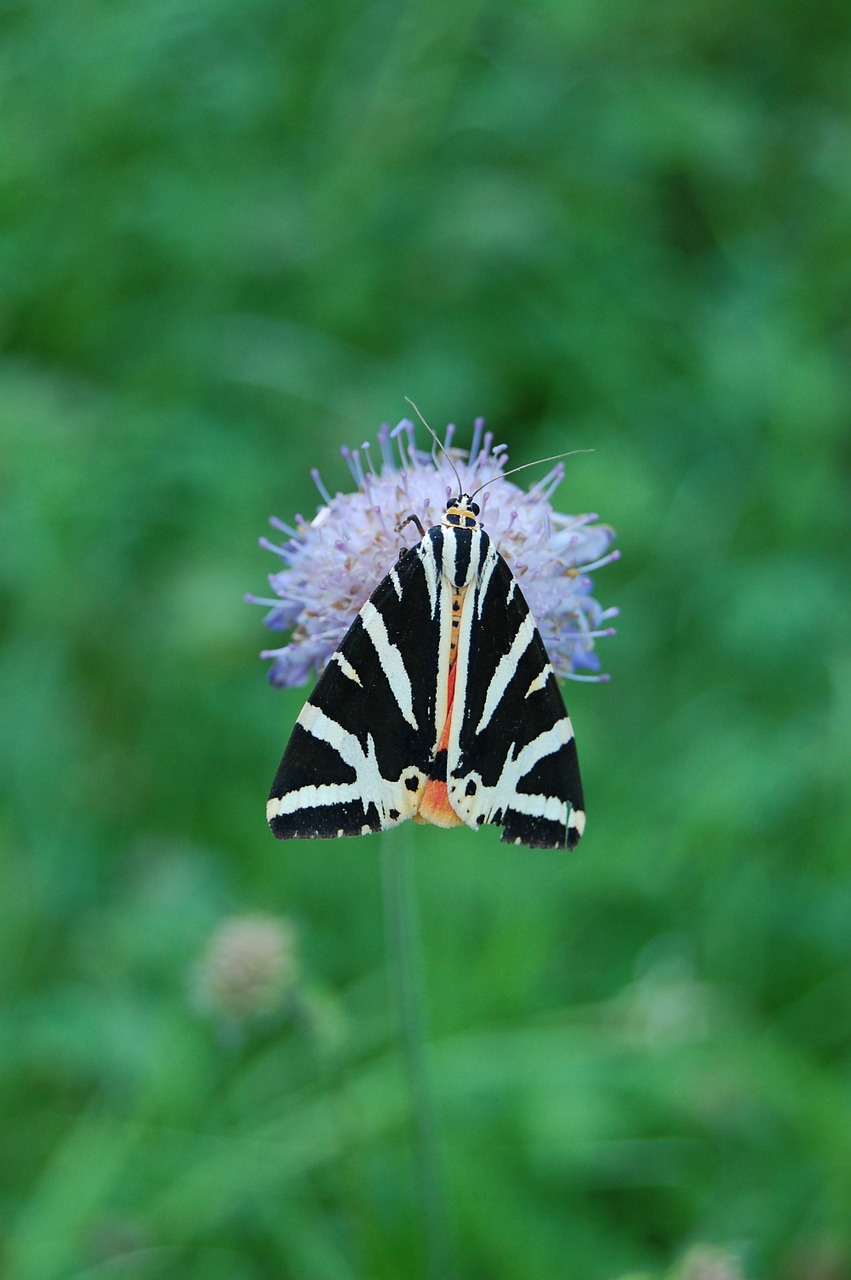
[(538, 463), (437, 440)]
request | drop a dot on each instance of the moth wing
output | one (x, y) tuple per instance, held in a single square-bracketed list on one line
[(359, 754), (511, 757)]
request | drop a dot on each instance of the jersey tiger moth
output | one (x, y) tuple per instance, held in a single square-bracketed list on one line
[(440, 705)]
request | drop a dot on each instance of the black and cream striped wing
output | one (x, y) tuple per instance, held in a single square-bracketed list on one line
[(359, 755), (511, 756)]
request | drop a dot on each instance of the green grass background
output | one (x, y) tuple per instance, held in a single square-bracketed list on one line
[(232, 238)]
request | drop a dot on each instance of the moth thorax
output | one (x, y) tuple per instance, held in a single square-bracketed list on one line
[(461, 513)]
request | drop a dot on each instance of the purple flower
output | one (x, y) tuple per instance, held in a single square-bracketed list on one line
[(334, 562)]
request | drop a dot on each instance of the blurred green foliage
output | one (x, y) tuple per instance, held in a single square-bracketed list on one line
[(232, 238)]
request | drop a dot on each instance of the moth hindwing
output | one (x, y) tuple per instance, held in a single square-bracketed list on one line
[(440, 705)]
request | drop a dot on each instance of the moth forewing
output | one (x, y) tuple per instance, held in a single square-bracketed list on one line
[(511, 759)]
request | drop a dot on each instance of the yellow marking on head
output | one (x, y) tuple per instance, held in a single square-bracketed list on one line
[(461, 513)]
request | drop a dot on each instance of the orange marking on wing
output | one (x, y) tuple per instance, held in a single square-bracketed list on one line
[(434, 803)]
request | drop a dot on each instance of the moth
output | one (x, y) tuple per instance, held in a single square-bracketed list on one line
[(440, 705)]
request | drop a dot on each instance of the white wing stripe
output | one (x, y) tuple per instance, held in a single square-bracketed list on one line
[(428, 561), (506, 669), (391, 661), (540, 681), (491, 561), (346, 667), (447, 567)]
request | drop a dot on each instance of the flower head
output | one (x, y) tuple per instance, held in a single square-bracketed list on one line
[(249, 968), (705, 1262), (334, 562)]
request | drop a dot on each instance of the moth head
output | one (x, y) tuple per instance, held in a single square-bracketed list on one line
[(461, 513)]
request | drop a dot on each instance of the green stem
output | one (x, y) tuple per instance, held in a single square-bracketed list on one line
[(407, 977)]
